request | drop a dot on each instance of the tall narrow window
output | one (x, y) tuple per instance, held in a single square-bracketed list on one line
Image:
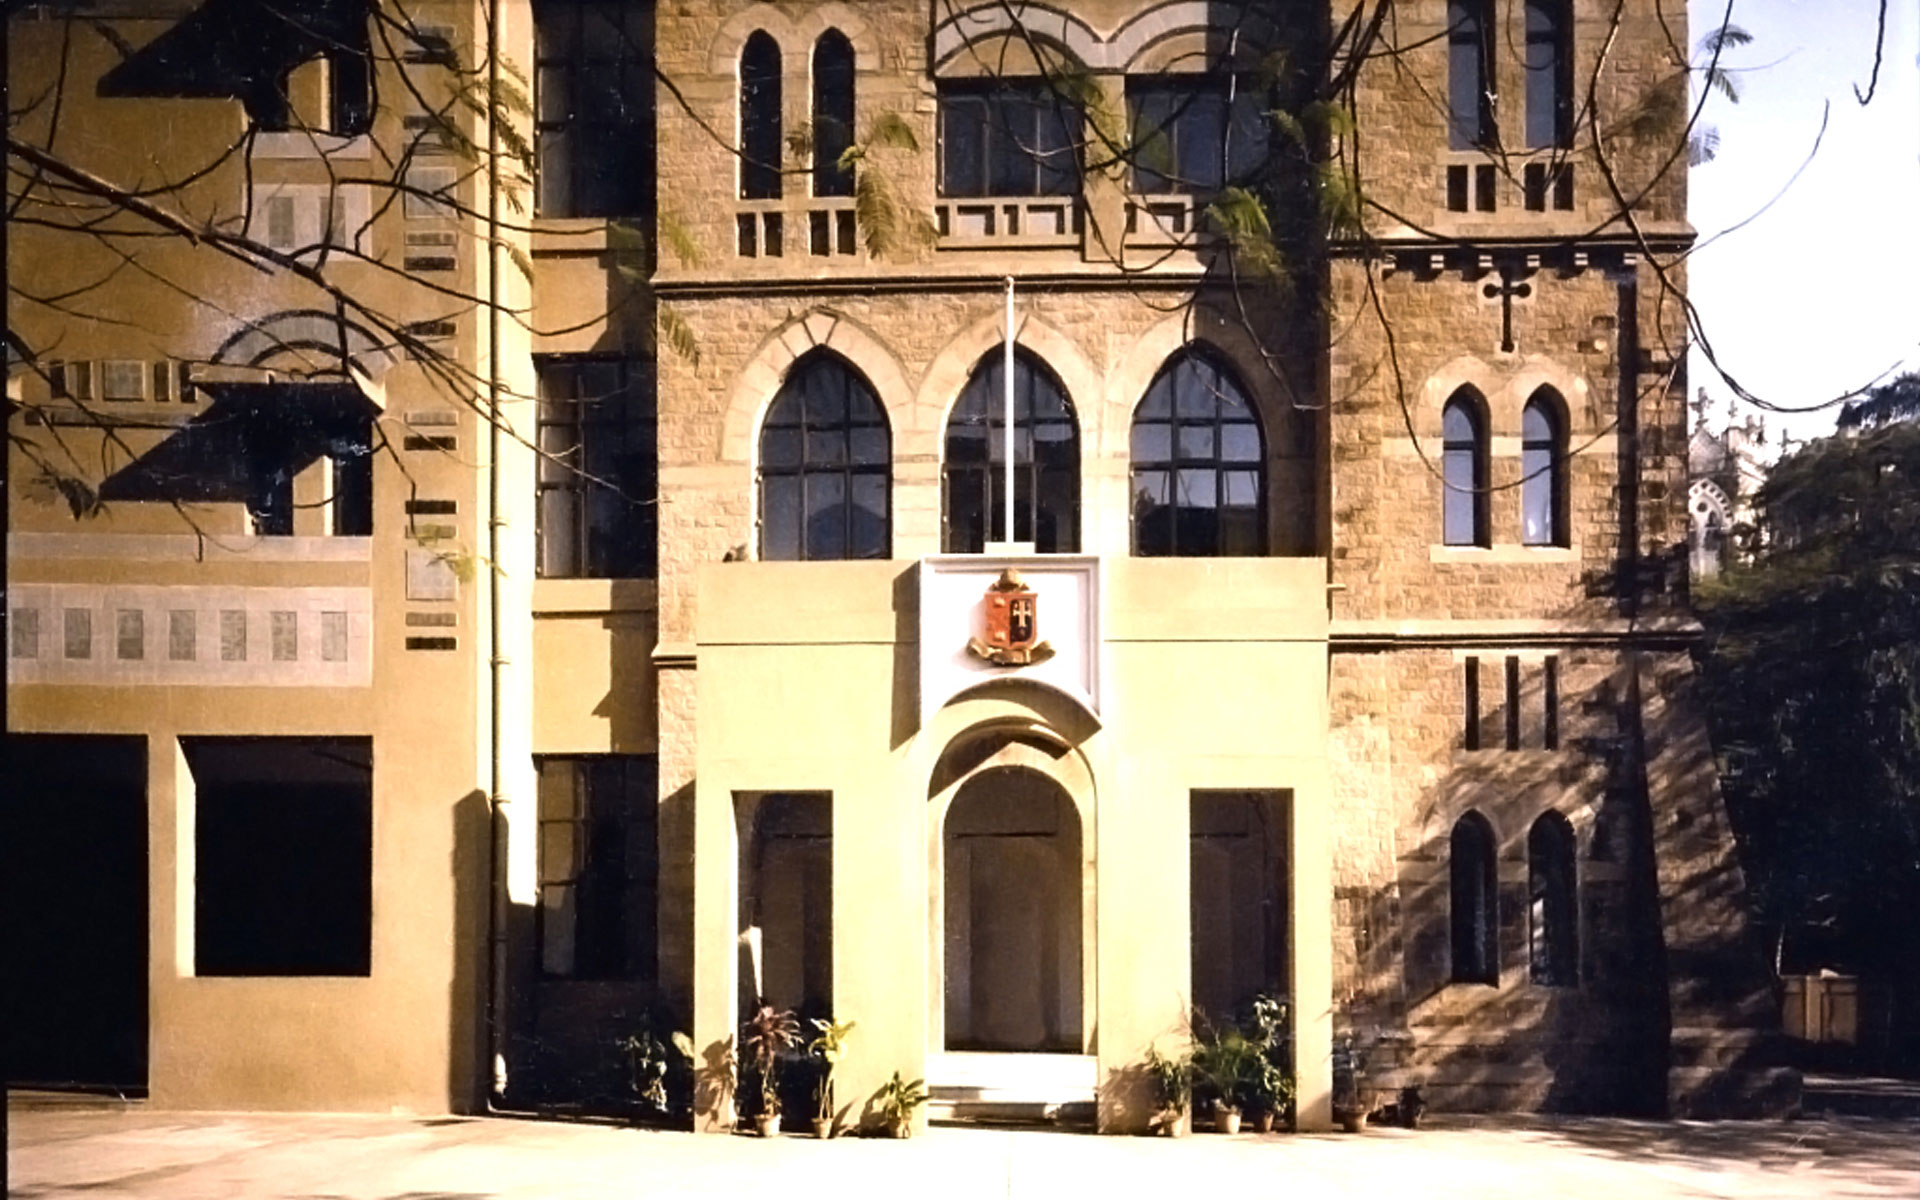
[(1553, 915), (593, 94), (1543, 469), (1470, 113), (1463, 470), (351, 467), (1194, 134), (825, 466), (597, 476), (760, 139), (1008, 138), (1198, 458), (1549, 74), (1046, 481), (1475, 901), (349, 90), (599, 866), (832, 114)]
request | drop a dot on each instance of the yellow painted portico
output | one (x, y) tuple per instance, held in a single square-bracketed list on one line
[(1007, 891)]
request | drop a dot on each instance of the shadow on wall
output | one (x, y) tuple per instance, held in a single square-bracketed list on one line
[(469, 1066), (1664, 1003)]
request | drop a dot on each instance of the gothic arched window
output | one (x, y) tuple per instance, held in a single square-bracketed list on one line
[(1549, 66), (1463, 470), (1543, 471), (832, 113), (1046, 480), (1475, 901), (1199, 480), (760, 140), (826, 474), (1553, 911), (1470, 84)]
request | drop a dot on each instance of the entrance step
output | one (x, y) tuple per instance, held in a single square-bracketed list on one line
[(996, 1087)]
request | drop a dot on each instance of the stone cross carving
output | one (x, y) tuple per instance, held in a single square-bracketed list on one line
[(1506, 291)]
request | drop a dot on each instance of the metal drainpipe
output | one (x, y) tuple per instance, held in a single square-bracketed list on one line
[(499, 907)]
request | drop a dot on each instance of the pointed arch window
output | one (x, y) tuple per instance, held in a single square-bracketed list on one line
[(1543, 470), (1474, 897), (760, 133), (1199, 483), (826, 473), (1470, 83), (1553, 924), (1463, 470), (832, 113), (1046, 481), (1549, 66)]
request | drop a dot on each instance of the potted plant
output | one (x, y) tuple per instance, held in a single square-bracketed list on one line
[(827, 1047), (1270, 1083), (1172, 1080), (1349, 1092), (1269, 1092), (1224, 1061), (650, 1060), (896, 1100), (769, 1034)]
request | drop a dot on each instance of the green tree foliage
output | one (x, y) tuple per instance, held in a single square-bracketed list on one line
[(1812, 675)]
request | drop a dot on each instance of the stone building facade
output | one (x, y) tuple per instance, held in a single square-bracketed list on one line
[(604, 636)]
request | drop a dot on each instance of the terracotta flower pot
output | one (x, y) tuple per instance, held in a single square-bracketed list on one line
[(1263, 1122), (767, 1127), (900, 1129), (823, 1127), (1353, 1120), (1226, 1120)]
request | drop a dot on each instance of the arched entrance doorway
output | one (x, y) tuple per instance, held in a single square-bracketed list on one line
[(1012, 876)]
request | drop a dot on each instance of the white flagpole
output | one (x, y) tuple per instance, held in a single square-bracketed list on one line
[(1007, 412)]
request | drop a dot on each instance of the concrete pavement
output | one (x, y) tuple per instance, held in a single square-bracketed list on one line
[(68, 1151)]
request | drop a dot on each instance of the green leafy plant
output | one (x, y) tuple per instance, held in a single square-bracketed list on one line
[(896, 1100), (651, 1060), (1225, 1061), (768, 1034), (1172, 1078), (828, 1046)]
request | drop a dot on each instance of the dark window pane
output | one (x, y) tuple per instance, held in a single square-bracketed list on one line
[(1214, 511), (1472, 901), (1050, 480), (1008, 139), (1457, 466), (597, 479), (833, 112), (812, 492), (780, 518), (826, 500), (963, 134), (867, 535), (1468, 103), (760, 133), (1152, 442), (1543, 477), (1549, 102), (593, 102)]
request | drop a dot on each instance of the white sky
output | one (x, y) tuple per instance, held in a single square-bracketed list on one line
[(1821, 293)]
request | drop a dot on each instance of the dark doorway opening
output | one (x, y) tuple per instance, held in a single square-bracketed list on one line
[(1239, 916), (1013, 915), (75, 835), (283, 855)]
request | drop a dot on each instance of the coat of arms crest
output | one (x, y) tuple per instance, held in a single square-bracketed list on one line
[(1012, 633)]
